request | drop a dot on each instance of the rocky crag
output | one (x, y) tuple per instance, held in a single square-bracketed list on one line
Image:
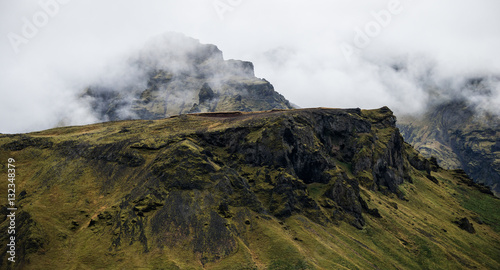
[(173, 75)]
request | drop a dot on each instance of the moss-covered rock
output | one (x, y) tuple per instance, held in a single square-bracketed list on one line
[(310, 189)]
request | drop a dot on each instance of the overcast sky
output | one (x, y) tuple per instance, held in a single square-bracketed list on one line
[(316, 53)]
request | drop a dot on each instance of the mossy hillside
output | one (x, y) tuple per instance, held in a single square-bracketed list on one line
[(269, 190)]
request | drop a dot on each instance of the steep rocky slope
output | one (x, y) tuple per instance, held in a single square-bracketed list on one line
[(292, 189), (459, 137), (174, 74)]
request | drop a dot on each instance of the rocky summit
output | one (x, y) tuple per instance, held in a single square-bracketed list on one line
[(459, 136), (278, 189), (174, 74)]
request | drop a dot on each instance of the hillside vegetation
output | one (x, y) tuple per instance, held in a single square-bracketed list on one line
[(283, 189)]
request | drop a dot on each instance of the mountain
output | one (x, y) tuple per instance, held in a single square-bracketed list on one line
[(174, 74), (459, 136), (281, 189)]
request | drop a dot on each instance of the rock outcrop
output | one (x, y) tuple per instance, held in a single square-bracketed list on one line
[(181, 75)]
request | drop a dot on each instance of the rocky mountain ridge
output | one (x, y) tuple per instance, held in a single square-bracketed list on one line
[(282, 189)]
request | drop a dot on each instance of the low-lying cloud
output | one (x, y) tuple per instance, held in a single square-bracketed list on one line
[(425, 52)]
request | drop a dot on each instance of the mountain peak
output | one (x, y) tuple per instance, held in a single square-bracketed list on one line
[(177, 73)]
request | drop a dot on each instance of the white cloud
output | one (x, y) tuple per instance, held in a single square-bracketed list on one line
[(293, 44)]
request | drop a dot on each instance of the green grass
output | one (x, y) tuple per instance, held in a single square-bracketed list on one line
[(487, 207), (316, 190)]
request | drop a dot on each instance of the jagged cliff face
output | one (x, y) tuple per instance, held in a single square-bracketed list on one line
[(180, 75), (458, 137), (293, 189)]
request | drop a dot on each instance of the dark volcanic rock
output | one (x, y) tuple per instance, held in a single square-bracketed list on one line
[(206, 93), (26, 141), (466, 225)]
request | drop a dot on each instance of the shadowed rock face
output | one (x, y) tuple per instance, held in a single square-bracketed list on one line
[(181, 75), (459, 138), (208, 187)]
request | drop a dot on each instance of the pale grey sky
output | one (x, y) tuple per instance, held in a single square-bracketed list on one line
[(51, 49)]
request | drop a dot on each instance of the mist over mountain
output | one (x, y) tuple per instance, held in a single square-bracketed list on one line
[(479, 90), (174, 74), (459, 135), (77, 71), (302, 58), (159, 150)]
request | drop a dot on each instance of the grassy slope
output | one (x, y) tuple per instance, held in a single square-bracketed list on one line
[(414, 234)]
